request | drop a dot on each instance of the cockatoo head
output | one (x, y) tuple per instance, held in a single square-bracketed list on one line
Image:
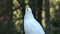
[(28, 12), (28, 9)]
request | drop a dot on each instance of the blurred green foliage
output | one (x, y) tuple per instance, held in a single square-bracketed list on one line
[(18, 21)]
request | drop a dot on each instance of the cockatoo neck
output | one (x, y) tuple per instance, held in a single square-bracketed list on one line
[(28, 14)]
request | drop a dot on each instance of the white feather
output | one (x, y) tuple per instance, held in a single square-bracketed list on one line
[(31, 25)]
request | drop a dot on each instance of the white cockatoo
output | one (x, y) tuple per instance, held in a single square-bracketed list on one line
[(31, 25)]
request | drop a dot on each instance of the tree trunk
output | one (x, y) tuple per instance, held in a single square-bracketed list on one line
[(39, 6), (47, 16)]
